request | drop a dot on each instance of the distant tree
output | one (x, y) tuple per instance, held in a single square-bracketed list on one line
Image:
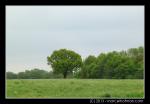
[(11, 75), (35, 74), (119, 65), (137, 55), (89, 67), (64, 61), (90, 59), (22, 75), (38, 74), (125, 69), (101, 61)]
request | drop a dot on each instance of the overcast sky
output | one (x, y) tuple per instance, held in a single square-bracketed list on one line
[(34, 32)]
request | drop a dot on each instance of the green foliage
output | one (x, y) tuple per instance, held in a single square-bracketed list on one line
[(89, 67), (112, 65), (37, 73), (22, 75), (30, 74), (11, 75), (64, 61), (119, 65)]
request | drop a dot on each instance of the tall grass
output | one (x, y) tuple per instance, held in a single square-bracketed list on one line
[(75, 88)]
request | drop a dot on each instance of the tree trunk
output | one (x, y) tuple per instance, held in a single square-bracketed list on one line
[(65, 75)]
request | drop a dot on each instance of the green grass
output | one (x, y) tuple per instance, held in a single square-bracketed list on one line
[(75, 88)]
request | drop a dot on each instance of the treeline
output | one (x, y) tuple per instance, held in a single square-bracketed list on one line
[(112, 65), (33, 74), (119, 65)]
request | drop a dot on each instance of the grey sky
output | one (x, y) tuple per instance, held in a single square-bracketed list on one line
[(34, 32)]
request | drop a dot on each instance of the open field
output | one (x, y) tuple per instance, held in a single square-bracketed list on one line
[(75, 88)]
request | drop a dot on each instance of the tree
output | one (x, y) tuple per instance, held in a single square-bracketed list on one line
[(11, 75), (32, 74), (22, 75), (137, 55), (64, 61), (88, 67), (37, 74), (101, 61)]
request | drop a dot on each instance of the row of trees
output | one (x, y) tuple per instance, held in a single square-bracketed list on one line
[(33, 74), (118, 65), (68, 64)]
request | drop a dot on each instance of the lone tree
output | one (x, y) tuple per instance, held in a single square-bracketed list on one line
[(64, 61)]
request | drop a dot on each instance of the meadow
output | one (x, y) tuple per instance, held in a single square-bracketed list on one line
[(74, 88)]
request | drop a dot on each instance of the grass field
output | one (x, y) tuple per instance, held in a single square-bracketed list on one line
[(75, 88)]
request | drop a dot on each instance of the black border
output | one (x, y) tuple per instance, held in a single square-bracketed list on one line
[(3, 5)]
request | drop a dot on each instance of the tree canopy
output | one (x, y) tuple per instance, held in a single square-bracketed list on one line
[(119, 65), (64, 61)]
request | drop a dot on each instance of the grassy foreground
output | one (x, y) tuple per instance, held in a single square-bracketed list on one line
[(75, 88)]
